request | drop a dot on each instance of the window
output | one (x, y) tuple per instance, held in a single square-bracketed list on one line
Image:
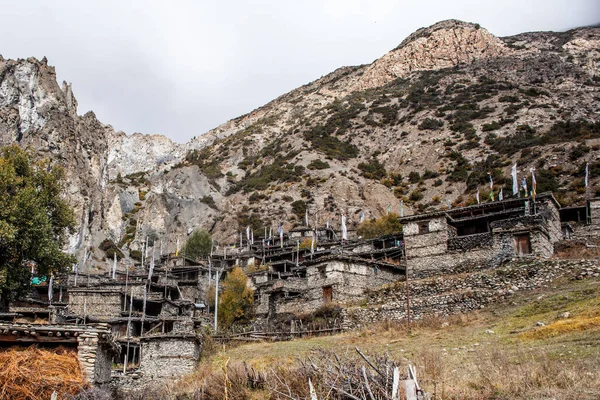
[(327, 294), (423, 227), (522, 245), (323, 271)]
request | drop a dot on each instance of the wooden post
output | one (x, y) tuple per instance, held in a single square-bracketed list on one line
[(128, 331), (216, 298), (407, 290), (126, 282), (144, 310)]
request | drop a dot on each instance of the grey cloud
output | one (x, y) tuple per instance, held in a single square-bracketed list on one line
[(181, 69)]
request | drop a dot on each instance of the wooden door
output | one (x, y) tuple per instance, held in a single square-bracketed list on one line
[(327, 294), (522, 245)]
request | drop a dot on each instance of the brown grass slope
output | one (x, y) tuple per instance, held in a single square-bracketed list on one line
[(502, 353)]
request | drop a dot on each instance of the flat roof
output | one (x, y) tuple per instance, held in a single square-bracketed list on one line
[(477, 207)]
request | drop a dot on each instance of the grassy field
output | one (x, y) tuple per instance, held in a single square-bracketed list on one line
[(544, 344)]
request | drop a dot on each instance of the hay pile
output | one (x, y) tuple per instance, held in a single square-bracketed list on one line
[(33, 374)]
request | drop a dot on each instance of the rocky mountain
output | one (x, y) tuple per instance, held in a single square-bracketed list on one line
[(424, 124)]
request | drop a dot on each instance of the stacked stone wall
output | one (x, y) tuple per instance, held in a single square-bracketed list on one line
[(167, 357), (445, 295), (103, 305), (470, 242)]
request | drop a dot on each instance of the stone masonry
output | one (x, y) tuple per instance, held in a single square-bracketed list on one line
[(442, 296)]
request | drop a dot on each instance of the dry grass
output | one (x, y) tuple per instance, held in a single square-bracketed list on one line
[(34, 374), (456, 357), (577, 324), (577, 250)]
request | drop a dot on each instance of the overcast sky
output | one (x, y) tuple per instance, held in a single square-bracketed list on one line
[(180, 68)]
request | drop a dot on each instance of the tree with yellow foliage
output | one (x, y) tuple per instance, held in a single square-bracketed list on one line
[(236, 302), (385, 225)]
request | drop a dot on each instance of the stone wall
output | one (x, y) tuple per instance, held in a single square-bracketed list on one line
[(102, 304), (422, 245), (470, 242), (168, 356), (349, 280), (445, 295), (95, 356)]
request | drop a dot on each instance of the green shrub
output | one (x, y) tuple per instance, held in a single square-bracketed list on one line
[(416, 195), (494, 125), (318, 164), (460, 172), (578, 151), (330, 145), (136, 255), (110, 248), (208, 164), (428, 174), (299, 209), (389, 114), (480, 176), (209, 201), (560, 132), (431, 124), (414, 177), (278, 171), (198, 245), (373, 169)]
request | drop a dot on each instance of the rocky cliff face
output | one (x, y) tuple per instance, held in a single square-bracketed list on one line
[(424, 124), (443, 45)]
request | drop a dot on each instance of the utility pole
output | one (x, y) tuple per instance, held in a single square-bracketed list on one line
[(216, 298), (126, 282), (407, 291), (128, 328)]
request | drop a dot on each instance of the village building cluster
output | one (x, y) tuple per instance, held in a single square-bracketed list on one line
[(145, 321)]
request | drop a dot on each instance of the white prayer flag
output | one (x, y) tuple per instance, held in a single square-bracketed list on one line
[(477, 195), (344, 230), (114, 268), (50, 288), (515, 182)]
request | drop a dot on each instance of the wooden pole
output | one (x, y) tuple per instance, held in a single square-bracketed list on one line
[(216, 298), (407, 295), (144, 310), (126, 283), (128, 330)]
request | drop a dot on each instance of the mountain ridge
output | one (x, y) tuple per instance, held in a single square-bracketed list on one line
[(440, 105)]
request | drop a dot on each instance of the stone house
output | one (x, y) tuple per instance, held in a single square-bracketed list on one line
[(481, 236), (153, 322), (331, 279), (169, 356)]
